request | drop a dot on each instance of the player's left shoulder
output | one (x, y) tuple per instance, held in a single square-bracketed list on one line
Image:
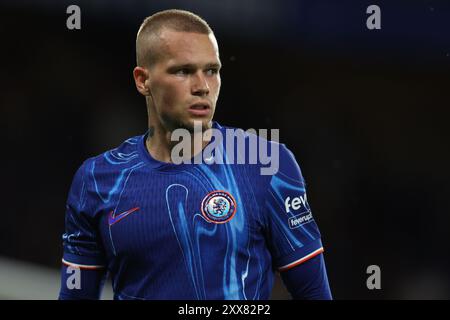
[(265, 155)]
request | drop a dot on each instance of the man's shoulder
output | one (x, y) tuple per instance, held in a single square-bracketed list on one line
[(126, 155), (258, 136), (260, 149)]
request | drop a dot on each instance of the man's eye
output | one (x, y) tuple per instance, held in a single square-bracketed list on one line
[(212, 71), (182, 72)]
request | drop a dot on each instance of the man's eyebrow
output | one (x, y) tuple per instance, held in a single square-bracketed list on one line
[(182, 66), (214, 65), (194, 66)]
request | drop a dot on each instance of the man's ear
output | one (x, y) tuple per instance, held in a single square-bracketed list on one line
[(141, 79)]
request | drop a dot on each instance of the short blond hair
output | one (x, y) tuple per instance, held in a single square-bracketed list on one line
[(173, 19)]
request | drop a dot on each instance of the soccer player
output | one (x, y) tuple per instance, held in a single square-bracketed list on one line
[(190, 230)]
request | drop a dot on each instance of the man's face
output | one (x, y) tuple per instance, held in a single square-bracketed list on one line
[(184, 83)]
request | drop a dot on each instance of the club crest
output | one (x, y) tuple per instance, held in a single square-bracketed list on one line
[(218, 207)]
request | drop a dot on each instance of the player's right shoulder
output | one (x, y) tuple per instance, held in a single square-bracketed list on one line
[(124, 156), (97, 176)]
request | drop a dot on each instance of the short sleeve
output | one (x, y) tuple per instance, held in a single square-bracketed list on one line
[(81, 241), (292, 232)]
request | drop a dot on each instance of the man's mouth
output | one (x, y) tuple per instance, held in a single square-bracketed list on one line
[(200, 109), (199, 106)]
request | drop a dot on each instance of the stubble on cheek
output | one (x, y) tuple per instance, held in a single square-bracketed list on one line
[(173, 111)]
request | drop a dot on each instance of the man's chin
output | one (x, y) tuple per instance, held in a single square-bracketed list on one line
[(189, 123), (194, 124)]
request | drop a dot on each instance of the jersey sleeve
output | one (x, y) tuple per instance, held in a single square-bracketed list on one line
[(83, 260), (308, 281), (292, 233)]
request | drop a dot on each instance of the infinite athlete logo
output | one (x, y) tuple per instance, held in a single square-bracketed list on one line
[(218, 207)]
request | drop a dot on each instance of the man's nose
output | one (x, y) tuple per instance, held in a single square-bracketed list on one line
[(200, 85)]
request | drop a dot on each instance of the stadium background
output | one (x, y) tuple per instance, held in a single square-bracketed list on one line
[(365, 112)]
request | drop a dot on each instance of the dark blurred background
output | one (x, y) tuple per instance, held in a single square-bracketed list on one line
[(365, 111)]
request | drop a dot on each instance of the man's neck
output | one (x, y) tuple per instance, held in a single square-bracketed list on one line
[(160, 145)]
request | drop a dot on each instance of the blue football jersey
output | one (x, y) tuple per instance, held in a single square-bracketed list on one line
[(186, 231)]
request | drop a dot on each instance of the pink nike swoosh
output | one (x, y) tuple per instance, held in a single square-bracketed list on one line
[(112, 220)]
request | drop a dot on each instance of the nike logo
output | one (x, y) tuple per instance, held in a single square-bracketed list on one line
[(209, 160), (114, 219)]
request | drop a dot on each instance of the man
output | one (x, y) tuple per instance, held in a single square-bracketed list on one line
[(186, 231)]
